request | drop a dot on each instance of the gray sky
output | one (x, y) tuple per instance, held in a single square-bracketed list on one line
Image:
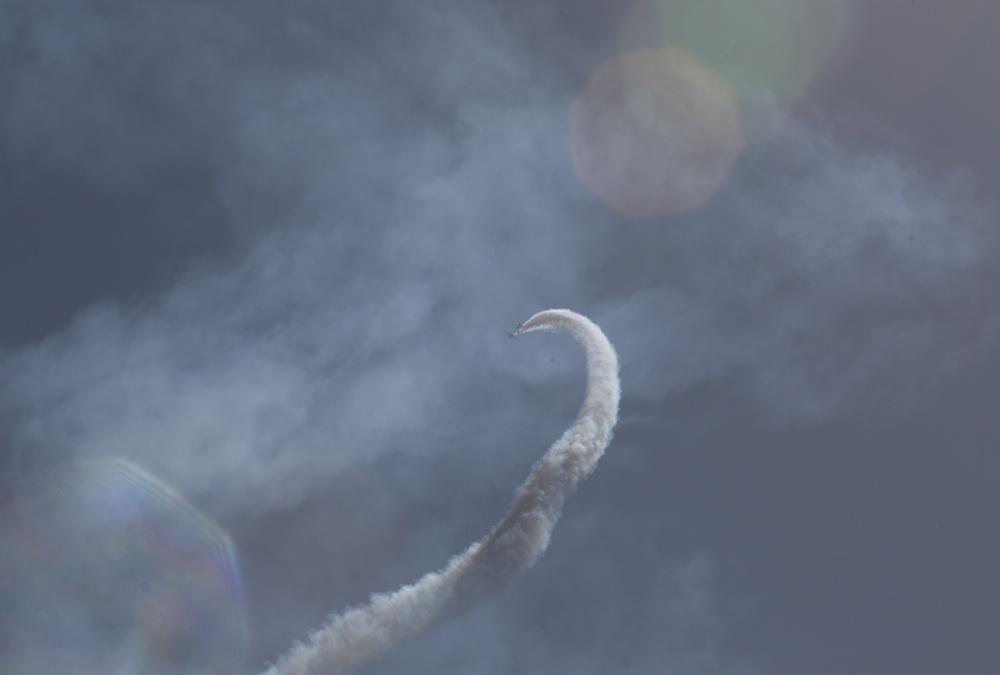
[(268, 253)]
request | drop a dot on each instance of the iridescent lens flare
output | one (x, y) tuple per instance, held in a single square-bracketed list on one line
[(104, 569), (780, 46), (654, 131)]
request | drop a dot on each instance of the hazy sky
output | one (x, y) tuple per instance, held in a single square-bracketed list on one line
[(266, 253)]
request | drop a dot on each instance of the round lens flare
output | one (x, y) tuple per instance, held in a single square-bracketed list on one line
[(105, 569), (654, 132)]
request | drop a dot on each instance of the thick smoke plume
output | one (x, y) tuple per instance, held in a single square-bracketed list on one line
[(361, 635)]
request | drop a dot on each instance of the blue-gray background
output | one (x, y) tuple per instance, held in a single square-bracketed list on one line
[(268, 251)]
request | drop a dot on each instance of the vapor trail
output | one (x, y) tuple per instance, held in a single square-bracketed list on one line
[(361, 635)]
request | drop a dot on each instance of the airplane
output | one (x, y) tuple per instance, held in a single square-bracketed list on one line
[(513, 335)]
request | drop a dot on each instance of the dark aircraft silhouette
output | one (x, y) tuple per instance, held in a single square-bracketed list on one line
[(513, 335)]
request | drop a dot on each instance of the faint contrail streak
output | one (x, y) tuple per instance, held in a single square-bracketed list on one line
[(361, 635)]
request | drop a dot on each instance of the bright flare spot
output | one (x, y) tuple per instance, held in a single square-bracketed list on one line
[(778, 45), (654, 131)]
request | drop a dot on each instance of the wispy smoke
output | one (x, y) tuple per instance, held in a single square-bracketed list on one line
[(361, 635), (384, 180)]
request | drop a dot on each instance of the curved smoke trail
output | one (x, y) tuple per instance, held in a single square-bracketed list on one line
[(361, 635)]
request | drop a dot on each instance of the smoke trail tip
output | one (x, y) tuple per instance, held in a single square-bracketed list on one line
[(552, 319)]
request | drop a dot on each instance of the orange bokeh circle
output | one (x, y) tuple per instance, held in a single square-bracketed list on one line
[(654, 131)]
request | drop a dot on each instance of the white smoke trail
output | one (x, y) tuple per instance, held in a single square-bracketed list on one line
[(361, 635)]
